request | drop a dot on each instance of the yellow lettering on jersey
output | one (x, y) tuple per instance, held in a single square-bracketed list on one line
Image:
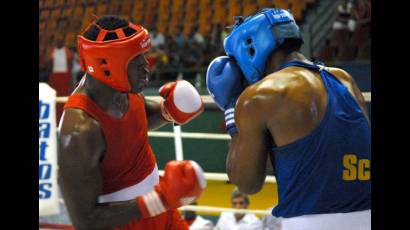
[(355, 169), (349, 162), (364, 169)]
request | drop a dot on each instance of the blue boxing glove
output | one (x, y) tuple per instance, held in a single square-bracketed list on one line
[(224, 83)]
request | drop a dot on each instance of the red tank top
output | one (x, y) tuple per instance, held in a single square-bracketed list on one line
[(128, 158)]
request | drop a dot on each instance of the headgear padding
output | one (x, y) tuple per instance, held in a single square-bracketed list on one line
[(252, 40), (108, 61)]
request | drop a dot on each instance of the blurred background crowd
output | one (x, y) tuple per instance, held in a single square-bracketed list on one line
[(188, 34)]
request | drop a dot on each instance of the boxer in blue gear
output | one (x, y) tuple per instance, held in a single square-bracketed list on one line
[(311, 120)]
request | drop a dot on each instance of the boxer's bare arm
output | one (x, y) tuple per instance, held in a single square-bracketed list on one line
[(154, 116), (248, 152), (81, 150)]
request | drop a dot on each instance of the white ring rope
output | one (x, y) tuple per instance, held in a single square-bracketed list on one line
[(206, 99), (210, 209), (224, 177), (191, 135), (218, 209)]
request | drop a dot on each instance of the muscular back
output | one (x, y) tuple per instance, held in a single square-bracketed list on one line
[(292, 102), (283, 107)]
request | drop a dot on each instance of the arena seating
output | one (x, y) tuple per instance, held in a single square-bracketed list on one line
[(344, 45), (68, 17)]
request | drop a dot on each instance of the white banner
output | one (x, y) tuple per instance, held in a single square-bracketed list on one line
[(47, 161)]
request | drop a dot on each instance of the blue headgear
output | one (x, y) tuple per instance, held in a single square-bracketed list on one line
[(252, 40)]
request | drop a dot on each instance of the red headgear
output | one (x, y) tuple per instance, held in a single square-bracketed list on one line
[(108, 61)]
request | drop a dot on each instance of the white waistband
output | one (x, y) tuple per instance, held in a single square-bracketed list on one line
[(336, 221), (143, 187)]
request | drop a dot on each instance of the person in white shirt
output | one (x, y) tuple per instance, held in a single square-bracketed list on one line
[(344, 17), (270, 222), (60, 77), (197, 36), (201, 223), (61, 58), (157, 38), (231, 221), (197, 222)]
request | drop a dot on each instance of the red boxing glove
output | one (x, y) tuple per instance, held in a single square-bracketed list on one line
[(182, 102), (183, 183)]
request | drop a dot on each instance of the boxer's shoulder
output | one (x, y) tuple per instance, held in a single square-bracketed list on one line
[(76, 120), (79, 129), (279, 91), (259, 99), (274, 87), (340, 74)]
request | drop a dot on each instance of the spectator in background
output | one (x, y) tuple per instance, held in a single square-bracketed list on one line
[(216, 35), (198, 45), (191, 55), (61, 58), (362, 13), (179, 38), (210, 50), (344, 19), (151, 57), (156, 58), (157, 38), (213, 46), (230, 221), (174, 59), (271, 222), (174, 56), (362, 35), (195, 221), (60, 78), (187, 57), (197, 36)]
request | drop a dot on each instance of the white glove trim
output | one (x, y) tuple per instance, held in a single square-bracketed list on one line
[(186, 97), (154, 203)]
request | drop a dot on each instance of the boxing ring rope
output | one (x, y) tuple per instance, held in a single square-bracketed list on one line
[(206, 99), (191, 135), (210, 209), (224, 177)]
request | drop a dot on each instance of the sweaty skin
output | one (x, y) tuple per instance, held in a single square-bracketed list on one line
[(82, 146), (284, 106)]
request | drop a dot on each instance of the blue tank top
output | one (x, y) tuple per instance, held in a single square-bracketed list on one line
[(327, 171)]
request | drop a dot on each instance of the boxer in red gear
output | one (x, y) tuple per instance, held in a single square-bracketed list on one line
[(108, 174)]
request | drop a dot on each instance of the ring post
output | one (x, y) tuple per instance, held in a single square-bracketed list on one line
[(178, 143)]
